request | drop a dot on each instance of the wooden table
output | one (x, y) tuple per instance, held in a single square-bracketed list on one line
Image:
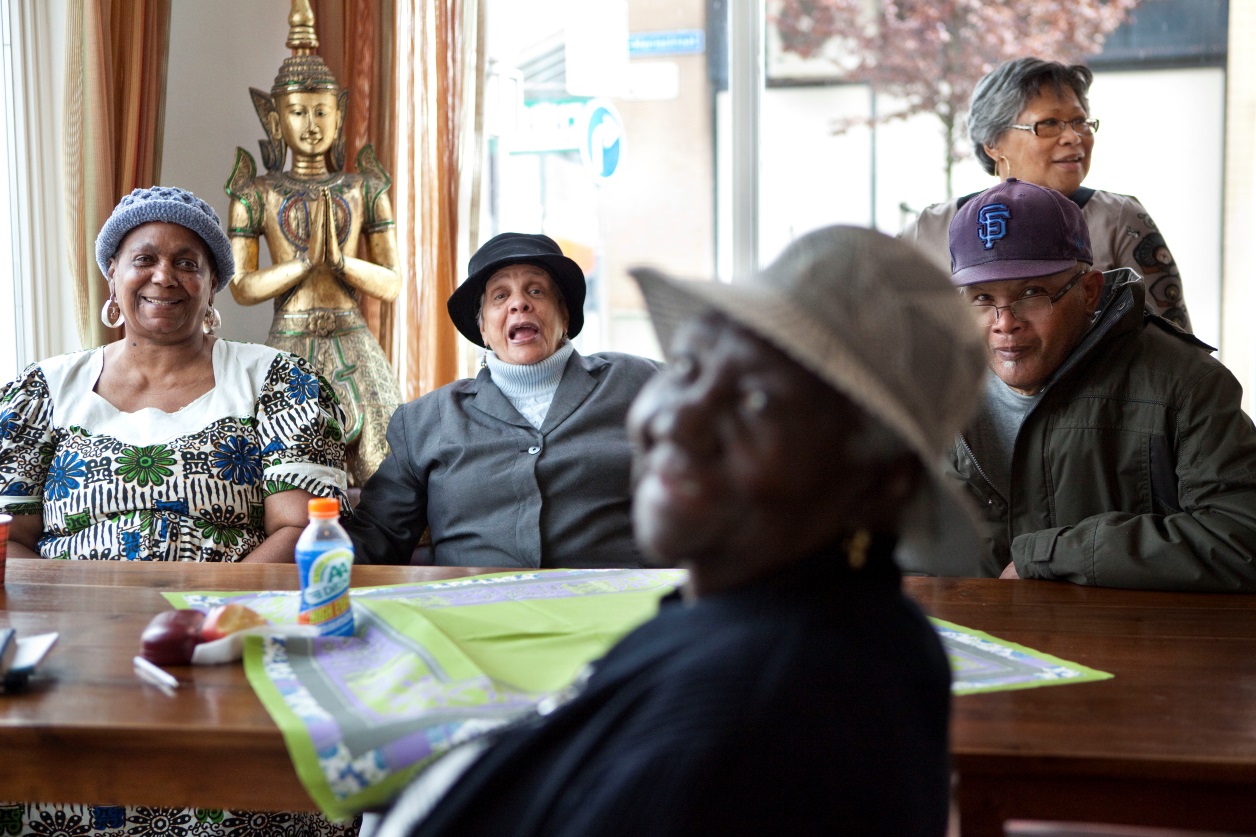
[(1170, 741), (88, 730)]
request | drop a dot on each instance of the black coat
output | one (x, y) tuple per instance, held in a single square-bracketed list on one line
[(815, 702)]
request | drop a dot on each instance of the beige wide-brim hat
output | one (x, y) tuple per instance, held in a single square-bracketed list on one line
[(877, 321)]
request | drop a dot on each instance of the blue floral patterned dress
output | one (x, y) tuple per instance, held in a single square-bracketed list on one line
[(156, 486)]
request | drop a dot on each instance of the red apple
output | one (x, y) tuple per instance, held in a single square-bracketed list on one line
[(170, 637)]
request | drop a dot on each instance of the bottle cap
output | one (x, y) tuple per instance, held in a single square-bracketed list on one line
[(324, 507)]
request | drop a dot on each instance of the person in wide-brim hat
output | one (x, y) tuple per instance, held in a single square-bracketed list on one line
[(527, 464), (791, 680), (869, 317)]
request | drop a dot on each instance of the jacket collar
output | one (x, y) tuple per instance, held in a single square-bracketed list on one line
[(1120, 312), (573, 389)]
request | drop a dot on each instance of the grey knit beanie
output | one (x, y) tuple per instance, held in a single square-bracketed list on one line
[(176, 206)]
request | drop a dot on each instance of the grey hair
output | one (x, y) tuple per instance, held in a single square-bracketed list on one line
[(558, 293), (1004, 92)]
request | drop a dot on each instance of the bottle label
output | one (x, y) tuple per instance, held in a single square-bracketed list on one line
[(325, 590)]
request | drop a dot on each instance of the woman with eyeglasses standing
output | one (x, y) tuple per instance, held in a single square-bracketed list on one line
[(1030, 119)]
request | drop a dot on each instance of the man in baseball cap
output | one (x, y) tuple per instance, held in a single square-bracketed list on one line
[(1110, 447)]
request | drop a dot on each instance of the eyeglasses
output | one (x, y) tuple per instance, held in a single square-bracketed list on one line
[(1028, 309), (1054, 127)]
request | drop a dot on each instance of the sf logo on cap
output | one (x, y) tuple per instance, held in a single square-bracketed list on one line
[(992, 223)]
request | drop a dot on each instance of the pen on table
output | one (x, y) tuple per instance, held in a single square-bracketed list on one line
[(155, 675)]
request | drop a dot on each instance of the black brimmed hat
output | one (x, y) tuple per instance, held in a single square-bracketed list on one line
[(509, 249)]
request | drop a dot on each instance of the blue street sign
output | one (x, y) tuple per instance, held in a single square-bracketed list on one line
[(602, 145), (669, 42)]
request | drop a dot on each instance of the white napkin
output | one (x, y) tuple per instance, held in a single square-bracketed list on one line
[(231, 647)]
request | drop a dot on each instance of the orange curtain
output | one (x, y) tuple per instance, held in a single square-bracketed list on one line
[(355, 39), (440, 42), (114, 115)]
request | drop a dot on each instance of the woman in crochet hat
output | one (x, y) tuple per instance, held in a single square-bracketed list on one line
[(527, 464), (168, 444)]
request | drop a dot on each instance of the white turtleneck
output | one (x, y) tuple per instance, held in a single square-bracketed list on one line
[(530, 387)]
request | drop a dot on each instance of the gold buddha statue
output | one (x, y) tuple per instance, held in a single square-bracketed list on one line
[(331, 238)]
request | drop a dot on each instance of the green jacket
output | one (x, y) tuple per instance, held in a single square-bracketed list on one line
[(1136, 469)]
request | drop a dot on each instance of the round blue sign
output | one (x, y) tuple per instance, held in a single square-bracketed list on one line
[(603, 141)]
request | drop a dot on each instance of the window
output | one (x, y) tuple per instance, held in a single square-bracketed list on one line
[(601, 136)]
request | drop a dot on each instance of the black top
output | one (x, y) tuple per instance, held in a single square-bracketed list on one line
[(814, 702)]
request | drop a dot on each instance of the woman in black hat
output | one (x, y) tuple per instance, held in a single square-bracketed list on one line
[(527, 464)]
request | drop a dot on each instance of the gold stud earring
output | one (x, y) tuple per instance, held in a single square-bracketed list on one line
[(857, 549)]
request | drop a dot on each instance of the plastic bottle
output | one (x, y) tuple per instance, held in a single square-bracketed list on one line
[(324, 560)]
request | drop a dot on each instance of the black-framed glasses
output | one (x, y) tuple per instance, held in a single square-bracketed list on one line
[(1027, 310), (1054, 127)]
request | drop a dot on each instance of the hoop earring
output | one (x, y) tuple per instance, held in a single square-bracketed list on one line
[(212, 322), (1009, 167), (111, 313)]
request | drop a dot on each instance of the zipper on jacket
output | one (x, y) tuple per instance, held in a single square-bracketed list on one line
[(1110, 315), (1107, 318), (981, 471)]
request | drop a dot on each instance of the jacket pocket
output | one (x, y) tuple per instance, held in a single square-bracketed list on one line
[(1105, 455), (1164, 482)]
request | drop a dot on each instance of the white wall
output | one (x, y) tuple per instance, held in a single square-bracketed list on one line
[(218, 50), (1175, 168)]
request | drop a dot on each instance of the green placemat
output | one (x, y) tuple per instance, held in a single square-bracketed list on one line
[(983, 663), (434, 664), (430, 665)]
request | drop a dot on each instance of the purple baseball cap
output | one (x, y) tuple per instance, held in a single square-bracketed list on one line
[(1016, 230)]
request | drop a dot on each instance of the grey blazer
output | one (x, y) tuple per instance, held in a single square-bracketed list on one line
[(496, 491)]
